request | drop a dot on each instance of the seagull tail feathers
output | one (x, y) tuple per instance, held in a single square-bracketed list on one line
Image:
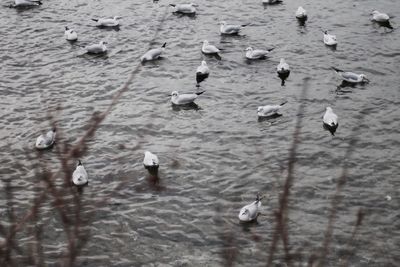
[(337, 70), (172, 5), (283, 103), (164, 44), (270, 49), (199, 93), (95, 20)]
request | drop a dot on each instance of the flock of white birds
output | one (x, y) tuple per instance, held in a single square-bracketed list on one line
[(249, 212)]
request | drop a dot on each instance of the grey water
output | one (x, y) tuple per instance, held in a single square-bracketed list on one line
[(216, 157)]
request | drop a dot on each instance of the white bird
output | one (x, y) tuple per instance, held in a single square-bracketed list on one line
[(271, 2), (153, 54), (283, 67), (301, 13), (79, 176), (184, 8), (257, 53), (250, 212), (329, 39), (269, 110), (26, 3), (379, 17), (97, 48), (70, 34), (150, 160), (230, 28), (47, 140), (351, 77), (209, 49), (183, 99), (202, 72), (330, 120), (108, 22)]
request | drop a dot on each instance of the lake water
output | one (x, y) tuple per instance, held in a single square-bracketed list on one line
[(216, 157)]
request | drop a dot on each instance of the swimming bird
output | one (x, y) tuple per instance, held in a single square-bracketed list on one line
[(150, 160), (230, 28), (184, 8), (47, 140), (183, 99), (250, 212), (351, 77), (202, 72), (269, 110), (26, 3), (209, 49), (108, 22), (79, 176), (329, 39), (379, 17), (70, 34), (153, 54), (99, 48), (301, 13), (283, 67), (257, 53), (271, 2), (330, 120)]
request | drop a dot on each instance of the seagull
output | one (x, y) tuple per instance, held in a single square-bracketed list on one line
[(184, 8), (283, 67), (150, 160), (202, 72), (379, 17), (329, 39), (229, 28), (209, 49), (271, 2), (183, 99), (153, 54), (97, 48), (79, 176), (250, 212), (108, 22), (257, 54), (269, 110), (351, 77), (330, 121), (47, 140), (301, 13), (70, 34), (26, 3)]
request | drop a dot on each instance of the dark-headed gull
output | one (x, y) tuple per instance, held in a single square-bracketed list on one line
[(184, 8), (351, 77), (301, 13), (379, 17), (329, 39), (153, 54), (330, 120), (230, 28), (250, 212), (183, 99), (26, 3), (47, 140), (99, 48), (269, 110), (70, 34), (108, 22), (256, 53), (202, 72), (207, 48), (150, 160), (79, 176)]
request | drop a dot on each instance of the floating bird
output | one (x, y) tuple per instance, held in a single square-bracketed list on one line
[(70, 34), (183, 99), (283, 67), (47, 140), (301, 13), (79, 176), (153, 54), (250, 212), (351, 77), (257, 53), (209, 49), (26, 3), (108, 22), (150, 160), (330, 121), (99, 48), (379, 17), (269, 110), (229, 28), (184, 8), (329, 39), (271, 2), (202, 72)]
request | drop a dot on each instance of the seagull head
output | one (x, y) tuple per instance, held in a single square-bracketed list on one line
[(249, 48), (364, 78), (282, 61), (117, 17), (222, 22), (259, 109), (205, 42), (174, 94), (66, 28), (103, 42), (374, 12), (204, 63), (329, 109), (193, 4)]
